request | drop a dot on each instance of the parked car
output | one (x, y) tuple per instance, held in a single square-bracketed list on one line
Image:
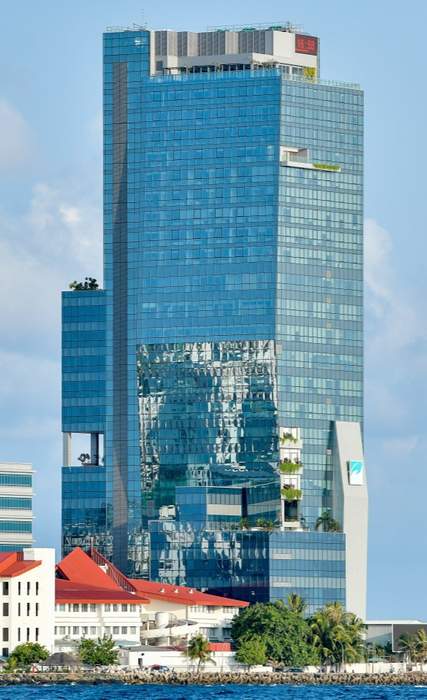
[(294, 669), (159, 668)]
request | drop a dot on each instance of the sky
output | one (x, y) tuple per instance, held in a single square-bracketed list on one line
[(51, 234)]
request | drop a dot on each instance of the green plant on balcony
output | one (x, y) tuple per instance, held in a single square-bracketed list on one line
[(89, 284), (287, 466), (327, 166), (291, 494), (326, 523), (288, 437), (265, 524)]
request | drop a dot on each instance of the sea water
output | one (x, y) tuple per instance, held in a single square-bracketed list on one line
[(213, 692)]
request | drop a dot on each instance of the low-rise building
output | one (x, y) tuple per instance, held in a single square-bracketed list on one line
[(93, 599), (388, 633), (27, 590)]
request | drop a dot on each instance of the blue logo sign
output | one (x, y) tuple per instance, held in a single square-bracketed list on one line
[(356, 467)]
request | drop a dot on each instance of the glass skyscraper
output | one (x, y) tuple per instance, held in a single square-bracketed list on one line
[(220, 369)]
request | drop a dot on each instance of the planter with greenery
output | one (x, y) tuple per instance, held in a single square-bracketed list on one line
[(89, 284), (252, 652), (327, 166), (288, 437), (289, 467), (291, 494), (326, 523)]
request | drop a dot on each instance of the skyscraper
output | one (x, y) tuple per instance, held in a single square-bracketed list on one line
[(221, 367)]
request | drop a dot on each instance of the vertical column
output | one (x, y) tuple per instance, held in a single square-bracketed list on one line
[(120, 323), (66, 449)]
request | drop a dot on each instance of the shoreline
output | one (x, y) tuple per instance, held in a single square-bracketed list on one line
[(207, 678)]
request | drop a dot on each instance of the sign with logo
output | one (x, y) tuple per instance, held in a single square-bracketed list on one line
[(306, 44), (356, 470)]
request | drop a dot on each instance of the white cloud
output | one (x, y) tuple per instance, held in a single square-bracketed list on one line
[(16, 142), (56, 240)]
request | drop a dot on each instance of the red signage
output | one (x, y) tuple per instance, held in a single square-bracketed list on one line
[(306, 44)]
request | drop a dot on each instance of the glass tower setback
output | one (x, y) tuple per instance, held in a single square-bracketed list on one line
[(231, 330)]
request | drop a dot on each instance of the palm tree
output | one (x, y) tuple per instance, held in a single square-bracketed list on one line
[(408, 644), (198, 650), (421, 648), (296, 604), (327, 522), (337, 634)]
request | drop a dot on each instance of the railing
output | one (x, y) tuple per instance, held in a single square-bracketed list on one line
[(254, 73)]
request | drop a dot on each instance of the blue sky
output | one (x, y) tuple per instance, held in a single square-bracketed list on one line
[(50, 234)]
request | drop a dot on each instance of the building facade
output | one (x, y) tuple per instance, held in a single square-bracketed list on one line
[(27, 588), (16, 506), (225, 352), (94, 599)]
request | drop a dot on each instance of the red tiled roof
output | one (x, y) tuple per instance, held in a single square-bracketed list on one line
[(80, 568), (72, 592), (13, 564), (184, 594)]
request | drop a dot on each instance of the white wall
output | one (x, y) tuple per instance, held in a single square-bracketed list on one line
[(30, 606)]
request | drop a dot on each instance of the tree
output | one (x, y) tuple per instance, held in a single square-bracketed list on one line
[(336, 634), (98, 652), (327, 523), (27, 654), (89, 283), (252, 652), (296, 603), (284, 632), (198, 650), (414, 646)]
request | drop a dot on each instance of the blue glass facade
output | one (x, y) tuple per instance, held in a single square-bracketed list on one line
[(232, 310)]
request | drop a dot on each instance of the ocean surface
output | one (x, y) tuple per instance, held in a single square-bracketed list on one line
[(214, 692)]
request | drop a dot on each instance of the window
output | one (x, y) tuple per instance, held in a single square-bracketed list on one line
[(85, 607), (76, 630), (5, 651), (28, 587), (19, 587), (132, 630), (28, 609), (5, 587), (107, 607), (124, 630), (28, 633), (116, 630), (37, 634), (124, 607), (62, 630), (92, 607), (37, 587), (93, 631), (37, 609), (115, 607), (85, 630), (5, 609), (61, 607), (5, 636), (76, 607), (19, 608), (107, 631), (19, 633)]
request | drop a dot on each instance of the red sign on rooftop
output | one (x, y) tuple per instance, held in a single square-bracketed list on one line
[(306, 44)]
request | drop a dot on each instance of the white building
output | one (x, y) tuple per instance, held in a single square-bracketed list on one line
[(27, 588), (93, 599), (16, 514)]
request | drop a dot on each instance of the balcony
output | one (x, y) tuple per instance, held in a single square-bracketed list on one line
[(175, 629)]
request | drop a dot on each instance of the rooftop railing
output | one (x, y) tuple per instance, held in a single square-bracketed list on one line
[(256, 72)]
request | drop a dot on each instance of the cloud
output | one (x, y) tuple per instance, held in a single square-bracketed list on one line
[(16, 140), (56, 239)]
